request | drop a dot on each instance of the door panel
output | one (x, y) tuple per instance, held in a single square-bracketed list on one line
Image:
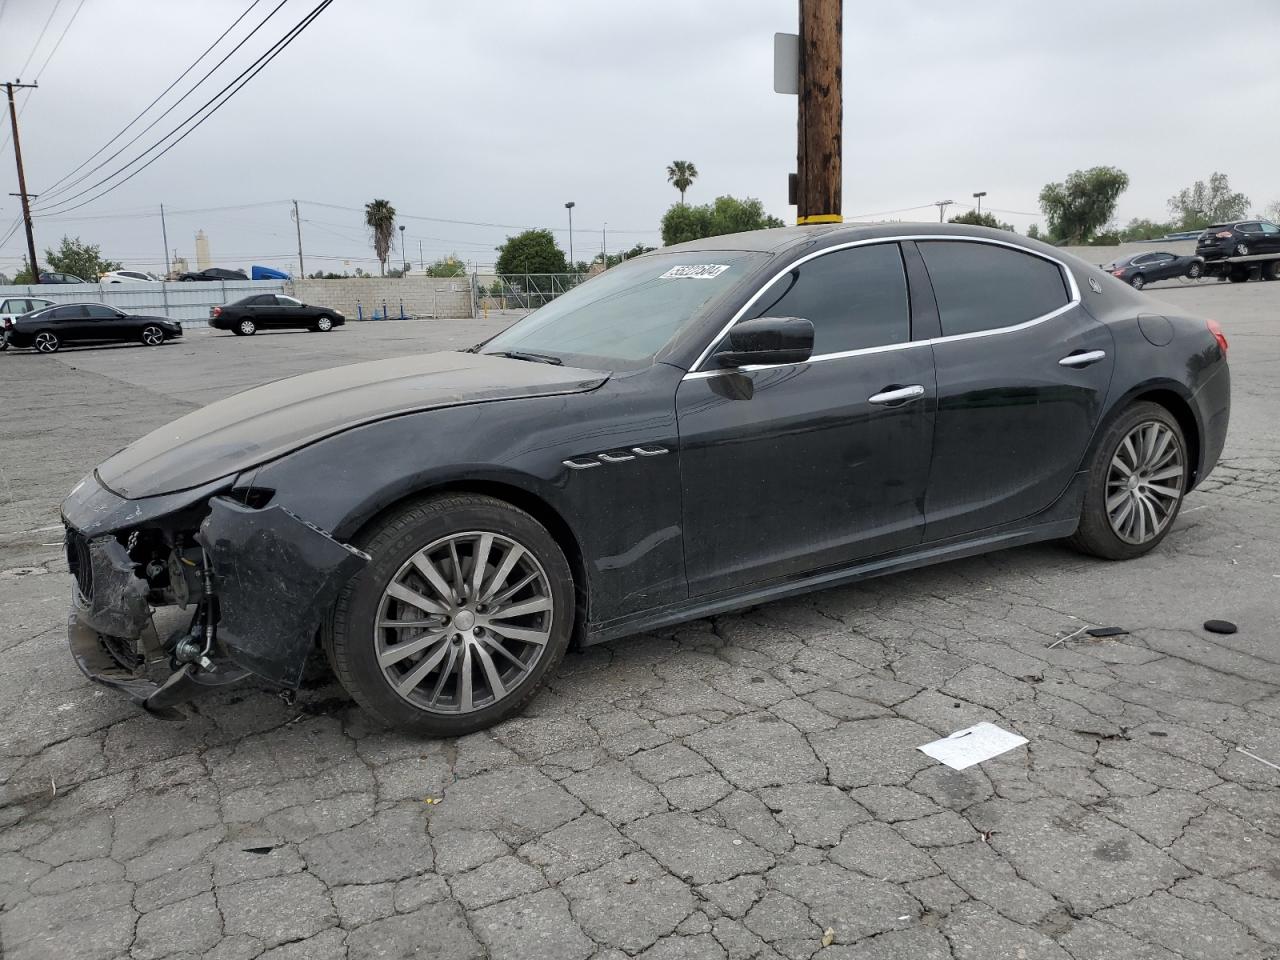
[(791, 469), (1013, 422)]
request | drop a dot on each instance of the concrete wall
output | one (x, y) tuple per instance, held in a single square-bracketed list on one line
[(186, 302), (1107, 254), (421, 296)]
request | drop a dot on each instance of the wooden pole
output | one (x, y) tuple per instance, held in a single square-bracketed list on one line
[(821, 108)]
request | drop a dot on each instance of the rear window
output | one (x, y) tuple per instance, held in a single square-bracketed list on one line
[(984, 286)]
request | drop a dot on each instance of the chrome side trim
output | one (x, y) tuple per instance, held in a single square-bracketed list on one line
[(615, 457), (581, 464), (695, 373), (650, 451)]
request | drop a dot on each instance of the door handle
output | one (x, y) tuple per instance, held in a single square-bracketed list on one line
[(1082, 359), (897, 395)]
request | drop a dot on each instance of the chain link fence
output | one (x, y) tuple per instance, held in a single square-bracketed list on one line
[(522, 291)]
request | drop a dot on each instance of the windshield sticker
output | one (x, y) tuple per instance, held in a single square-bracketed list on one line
[(695, 271)]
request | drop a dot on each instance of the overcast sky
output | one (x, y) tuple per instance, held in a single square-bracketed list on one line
[(499, 112)]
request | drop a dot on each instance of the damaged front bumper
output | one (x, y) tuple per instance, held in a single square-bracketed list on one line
[(258, 583)]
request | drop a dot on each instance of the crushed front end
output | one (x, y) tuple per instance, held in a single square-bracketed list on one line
[(184, 592)]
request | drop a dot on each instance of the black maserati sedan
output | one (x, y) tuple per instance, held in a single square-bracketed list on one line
[(273, 311), (76, 324), (706, 427), (1140, 269)]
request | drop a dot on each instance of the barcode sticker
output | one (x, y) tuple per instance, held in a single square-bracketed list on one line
[(695, 271)]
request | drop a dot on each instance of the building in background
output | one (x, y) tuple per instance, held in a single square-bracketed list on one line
[(203, 260)]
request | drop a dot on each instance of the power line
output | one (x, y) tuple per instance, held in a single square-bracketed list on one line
[(471, 223), (257, 67), (54, 189), (35, 46)]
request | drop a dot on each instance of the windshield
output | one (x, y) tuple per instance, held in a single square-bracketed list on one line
[(623, 317)]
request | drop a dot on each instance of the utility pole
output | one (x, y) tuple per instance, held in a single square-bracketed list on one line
[(821, 113), (22, 179), (164, 231), (422, 264), (942, 207), (297, 222), (604, 246)]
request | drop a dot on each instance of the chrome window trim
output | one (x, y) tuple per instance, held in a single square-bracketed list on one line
[(696, 373)]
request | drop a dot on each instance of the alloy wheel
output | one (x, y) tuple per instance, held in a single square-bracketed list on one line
[(152, 336), (1145, 482), (1138, 282), (463, 622), (46, 342)]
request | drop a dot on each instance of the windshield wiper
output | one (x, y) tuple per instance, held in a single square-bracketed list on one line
[(533, 357)]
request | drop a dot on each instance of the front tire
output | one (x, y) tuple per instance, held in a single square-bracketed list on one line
[(1242, 249), (1195, 270), (465, 608), (324, 325), (152, 336), (1136, 481)]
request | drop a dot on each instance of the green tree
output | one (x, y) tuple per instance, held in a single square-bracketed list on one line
[(83, 260), (1033, 231), (614, 259), (380, 218), (449, 266), (1201, 204), (1083, 204), (1273, 212), (974, 218), (1143, 229), (681, 174), (727, 215), (533, 251)]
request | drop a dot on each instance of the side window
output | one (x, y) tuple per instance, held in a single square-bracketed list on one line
[(101, 313), (1249, 228), (983, 286), (1162, 257), (854, 298), (263, 300), (1270, 228)]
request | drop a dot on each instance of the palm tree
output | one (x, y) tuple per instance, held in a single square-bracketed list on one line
[(681, 174), (380, 218)]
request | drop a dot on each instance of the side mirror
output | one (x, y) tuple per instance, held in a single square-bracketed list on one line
[(768, 340)]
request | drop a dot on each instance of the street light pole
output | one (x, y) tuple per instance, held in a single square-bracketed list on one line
[(569, 206), (404, 257), (978, 196)]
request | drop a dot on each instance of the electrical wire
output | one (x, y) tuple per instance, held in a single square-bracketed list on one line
[(476, 223), (60, 186), (235, 87), (43, 30)]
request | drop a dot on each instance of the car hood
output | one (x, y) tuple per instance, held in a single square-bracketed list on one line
[(250, 428)]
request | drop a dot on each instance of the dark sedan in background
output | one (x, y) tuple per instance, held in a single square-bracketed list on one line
[(48, 330), (704, 428), (1142, 268), (214, 273), (273, 311)]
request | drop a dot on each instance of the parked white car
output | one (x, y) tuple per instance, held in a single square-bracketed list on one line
[(14, 307), (128, 276)]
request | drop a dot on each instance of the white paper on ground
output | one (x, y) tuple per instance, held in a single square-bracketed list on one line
[(972, 745)]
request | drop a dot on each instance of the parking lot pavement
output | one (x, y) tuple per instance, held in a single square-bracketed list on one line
[(746, 787)]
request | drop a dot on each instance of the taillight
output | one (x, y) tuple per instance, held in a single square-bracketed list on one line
[(1224, 235), (216, 312), (1218, 335), (1117, 273)]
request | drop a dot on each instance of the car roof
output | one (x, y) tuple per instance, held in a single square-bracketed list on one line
[(779, 239)]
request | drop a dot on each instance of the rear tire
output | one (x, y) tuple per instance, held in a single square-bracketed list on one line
[(470, 633), (46, 342), (1138, 281), (1195, 270), (1133, 491), (1238, 276), (246, 328), (1271, 271)]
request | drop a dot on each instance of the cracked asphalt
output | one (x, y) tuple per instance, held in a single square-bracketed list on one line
[(738, 788)]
